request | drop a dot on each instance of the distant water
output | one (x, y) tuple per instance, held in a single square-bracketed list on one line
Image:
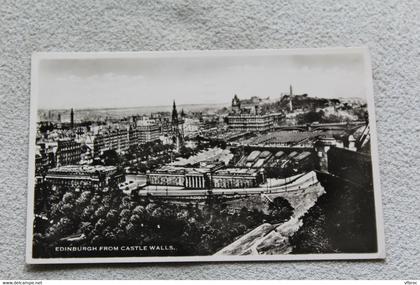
[(117, 113)]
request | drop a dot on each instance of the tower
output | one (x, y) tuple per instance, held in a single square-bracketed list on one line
[(177, 133), (174, 115), (291, 99), (236, 104), (71, 118)]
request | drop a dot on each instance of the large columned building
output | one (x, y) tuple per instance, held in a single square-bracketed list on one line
[(195, 179), (206, 177)]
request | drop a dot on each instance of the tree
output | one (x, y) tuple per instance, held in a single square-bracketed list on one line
[(151, 207), (186, 151), (63, 227), (112, 217), (96, 200), (68, 209), (158, 213), (280, 210), (310, 117), (56, 210), (140, 211), (119, 233), (312, 236), (109, 235), (83, 199), (111, 157), (135, 219), (100, 225), (106, 200), (123, 222), (87, 213), (101, 212), (54, 197), (131, 230), (86, 228), (96, 240), (125, 213), (125, 203), (68, 198)]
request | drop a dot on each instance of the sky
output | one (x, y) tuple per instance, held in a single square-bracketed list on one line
[(157, 81)]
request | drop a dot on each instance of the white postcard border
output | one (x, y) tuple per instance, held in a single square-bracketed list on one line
[(38, 56)]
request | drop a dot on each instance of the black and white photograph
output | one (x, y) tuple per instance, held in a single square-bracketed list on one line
[(194, 156)]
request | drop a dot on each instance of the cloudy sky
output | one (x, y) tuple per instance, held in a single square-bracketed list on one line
[(156, 81)]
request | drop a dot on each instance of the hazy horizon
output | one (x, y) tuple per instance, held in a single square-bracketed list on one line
[(136, 107), (103, 83)]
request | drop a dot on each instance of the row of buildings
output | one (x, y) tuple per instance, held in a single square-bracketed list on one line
[(70, 150), (71, 153), (82, 177), (57, 153), (121, 140), (249, 171), (80, 145), (207, 176)]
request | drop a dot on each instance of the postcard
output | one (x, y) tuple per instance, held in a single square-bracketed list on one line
[(197, 156)]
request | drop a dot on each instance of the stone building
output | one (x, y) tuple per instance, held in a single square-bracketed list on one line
[(249, 122), (237, 178), (167, 176), (120, 139), (78, 177), (148, 133), (68, 152), (248, 119), (117, 139), (197, 179), (207, 175)]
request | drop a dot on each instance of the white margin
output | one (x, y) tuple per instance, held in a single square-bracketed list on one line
[(38, 56)]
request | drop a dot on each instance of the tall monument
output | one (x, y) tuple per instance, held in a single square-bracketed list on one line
[(176, 128), (291, 99), (71, 118)]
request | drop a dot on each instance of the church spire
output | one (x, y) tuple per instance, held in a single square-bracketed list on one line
[(174, 113), (177, 132)]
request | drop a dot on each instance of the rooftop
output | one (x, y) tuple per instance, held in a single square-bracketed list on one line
[(88, 169), (180, 170), (302, 155), (237, 171), (289, 137)]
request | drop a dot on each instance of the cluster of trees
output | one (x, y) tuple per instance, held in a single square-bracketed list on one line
[(153, 155), (310, 104), (342, 220), (321, 117), (342, 115), (145, 156), (186, 152), (147, 150), (113, 218)]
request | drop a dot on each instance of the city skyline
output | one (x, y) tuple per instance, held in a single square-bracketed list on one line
[(149, 82)]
